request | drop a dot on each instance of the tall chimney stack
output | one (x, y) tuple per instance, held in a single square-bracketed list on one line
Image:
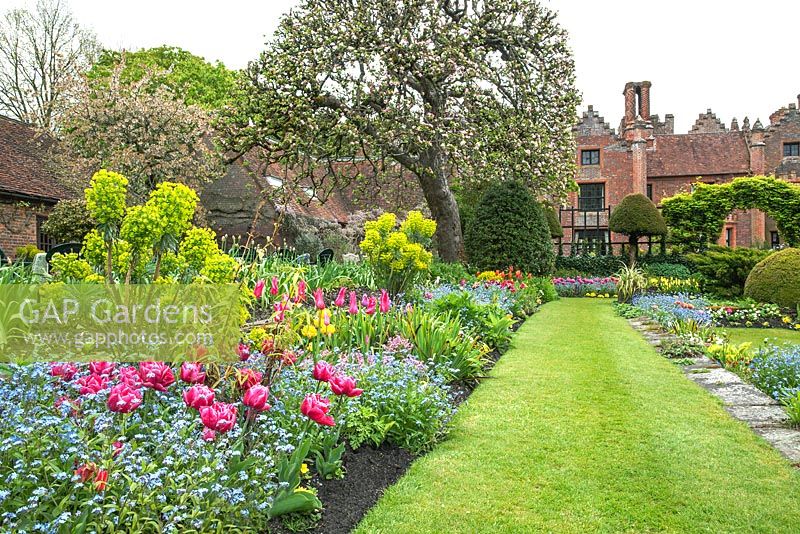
[(644, 100), (630, 103)]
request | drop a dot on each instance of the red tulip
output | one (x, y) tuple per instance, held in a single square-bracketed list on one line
[(316, 407), (256, 398), (319, 298), (258, 290), (130, 375), (323, 371), (340, 296), (65, 370), (244, 352), (345, 385), (92, 384), (353, 303), (102, 368), (101, 480), (117, 447), (371, 306), (123, 398), (268, 346), (198, 396), (86, 471), (220, 416), (156, 375), (192, 372), (385, 303), (288, 357), (246, 378), (273, 289)]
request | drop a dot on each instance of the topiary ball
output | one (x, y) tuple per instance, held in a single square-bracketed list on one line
[(509, 228), (776, 279)]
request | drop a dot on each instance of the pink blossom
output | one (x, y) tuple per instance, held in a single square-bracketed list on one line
[(258, 290)]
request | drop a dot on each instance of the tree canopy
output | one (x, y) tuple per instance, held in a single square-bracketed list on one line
[(451, 91), (636, 216), (189, 77)]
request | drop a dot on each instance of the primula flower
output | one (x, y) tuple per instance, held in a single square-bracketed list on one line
[(156, 375), (192, 372), (130, 375), (273, 288), (92, 384), (198, 396), (345, 385), (316, 407), (65, 370), (353, 303), (256, 398), (323, 371), (319, 298), (102, 368), (340, 296), (385, 303), (123, 398), (246, 378), (220, 416), (258, 290)]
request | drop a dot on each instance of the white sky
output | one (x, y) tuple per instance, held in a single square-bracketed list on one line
[(738, 58)]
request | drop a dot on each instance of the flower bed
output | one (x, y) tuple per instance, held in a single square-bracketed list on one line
[(586, 287)]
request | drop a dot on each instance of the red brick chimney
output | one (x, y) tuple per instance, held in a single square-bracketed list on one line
[(758, 162), (644, 101), (630, 103)]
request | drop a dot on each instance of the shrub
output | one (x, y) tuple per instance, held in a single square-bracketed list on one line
[(724, 270), (551, 214), (668, 270), (509, 228), (451, 273), (636, 216), (27, 253), (69, 221), (776, 279), (398, 256)]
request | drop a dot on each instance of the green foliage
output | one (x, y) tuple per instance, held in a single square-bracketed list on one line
[(189, 77), (791, 403), (589, 265), (141, 227), (668, 270), (197, 245), (366, 425), (553, 223), (486, 321), (68, 267), (697, 219), (328, 456), (106, 198), (176, 204), (398, 256), (220, 268), (509, 228), (445, 272), (637, 216), (630, 280), (69, 221), (27, 252), (724, 270), (776, 279)]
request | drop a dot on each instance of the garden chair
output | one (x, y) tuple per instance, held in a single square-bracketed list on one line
[(325, 257)]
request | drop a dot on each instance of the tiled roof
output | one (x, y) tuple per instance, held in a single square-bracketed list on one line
[(22, 168), (698, 155)]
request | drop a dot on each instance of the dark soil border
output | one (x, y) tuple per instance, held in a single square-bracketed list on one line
[(369, 472)]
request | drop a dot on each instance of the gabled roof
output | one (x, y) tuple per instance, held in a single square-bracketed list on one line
[(698, 154), (23, 172)]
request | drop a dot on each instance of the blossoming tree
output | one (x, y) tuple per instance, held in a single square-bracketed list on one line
[(453, 90)]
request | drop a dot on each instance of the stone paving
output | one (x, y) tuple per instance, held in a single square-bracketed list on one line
[(745, 402)]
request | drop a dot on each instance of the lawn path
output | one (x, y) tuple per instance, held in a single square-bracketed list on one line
[(583, 427)]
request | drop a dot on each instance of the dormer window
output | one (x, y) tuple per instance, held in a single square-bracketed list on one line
[(791, 149), (590, 157)]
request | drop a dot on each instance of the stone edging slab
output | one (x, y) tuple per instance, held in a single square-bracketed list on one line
[(763, 414)]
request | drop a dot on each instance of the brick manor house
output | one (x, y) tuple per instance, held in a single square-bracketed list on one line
[(646, 156)]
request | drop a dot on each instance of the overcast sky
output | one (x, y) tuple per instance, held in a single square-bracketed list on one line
[(738, 58)]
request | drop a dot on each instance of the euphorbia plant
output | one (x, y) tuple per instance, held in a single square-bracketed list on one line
[(106, 202)]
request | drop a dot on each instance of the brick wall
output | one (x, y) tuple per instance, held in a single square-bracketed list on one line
[(18, 225)]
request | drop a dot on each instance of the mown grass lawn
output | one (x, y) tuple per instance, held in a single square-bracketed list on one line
[(582, 427), (756, 336)]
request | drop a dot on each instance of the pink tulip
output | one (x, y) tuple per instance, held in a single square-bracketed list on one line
[(92, 384), (273, 288), (198, 396), (301, 291), (339, 302), (385, 303), (130, 375), (319, 299), (117, 447), (365, 300), (371, 306), (316, 407), (156, 375), (102, 368), (345, 385), (220, 416), (247, 378), (123, 398), (256, 398), (323, 371), (64, 370), (209, 435), (192, 372), (353, 303), (258, 291)]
